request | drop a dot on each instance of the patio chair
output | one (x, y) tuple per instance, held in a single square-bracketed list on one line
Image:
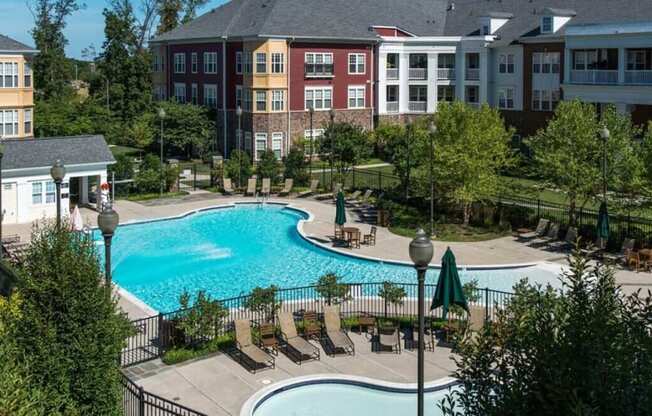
[(625, 249), (268, 339), (568, 242), (389, 338), (227, 186), (336, 337), (551, 235), (293, 344), (251, 187), (354, 239), (287, 188), (338, 233), (429, 335), (336, 189), (370, 239), (595, 249), (311, 325), (248, 350), (539, 232), (353, 197), (266, 187), (313, 188), (365, 198)]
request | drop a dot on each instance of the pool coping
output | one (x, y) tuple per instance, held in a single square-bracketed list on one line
[(265, 393)]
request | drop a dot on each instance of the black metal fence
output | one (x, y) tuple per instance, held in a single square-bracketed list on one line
[(157, 334), (374, 179), (138, 402)]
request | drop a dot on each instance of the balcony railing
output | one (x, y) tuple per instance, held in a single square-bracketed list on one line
[(417, 106), (594, 77), (638, 77), (472, 74), (446, 73), (392, 106), (473, 104), (417, 73), (392, 73), (318, 70)]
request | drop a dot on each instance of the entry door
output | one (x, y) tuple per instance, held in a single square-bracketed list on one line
[(10, 203)]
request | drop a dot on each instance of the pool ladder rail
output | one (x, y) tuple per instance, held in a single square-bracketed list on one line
[(262, 198)]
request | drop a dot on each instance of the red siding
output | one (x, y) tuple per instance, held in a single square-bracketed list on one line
[(391, 31), (339, 82), (232, 79), (199, 78)]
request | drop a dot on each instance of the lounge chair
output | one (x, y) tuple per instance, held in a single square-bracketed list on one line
[(251, 187), (365, 198), (595, 249), (266, 187), (568, 242), (389, 337), (539, 232), (227, 186), (311, 325), (625, 250), (336, 189), (313, 188), (287, 188), (476, 321), (370, 239), (351, 199), (248, 350), (428, 335), (551, 235), (336, 337), (295, 346)]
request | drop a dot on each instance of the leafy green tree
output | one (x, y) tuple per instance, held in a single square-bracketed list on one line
[(170, 13), (68, 332), (201, 320), (141, 131), (263, 300), (123, 167), (392, 294), (401, 147), (471, 149), (351, 144), (296, 166), (268, 166), (646, 153), (238, 167), (331, 288), (583, 350), (69, 116), (189, 129)]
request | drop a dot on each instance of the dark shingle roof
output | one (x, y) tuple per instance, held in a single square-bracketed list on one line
[(9, 44), (43, 152)]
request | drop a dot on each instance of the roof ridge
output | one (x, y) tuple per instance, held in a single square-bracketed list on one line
[(235, 17)]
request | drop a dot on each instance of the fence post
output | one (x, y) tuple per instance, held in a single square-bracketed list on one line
[(161, 334), (538, 208), (141, 401), (486, 304), (194, 178), (380, 182)]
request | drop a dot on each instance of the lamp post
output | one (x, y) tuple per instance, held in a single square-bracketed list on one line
[(407, 148), (432, 129), (331, 113), (107, 221), (161, 116), (604, 135), (311, 111), (421, 252), (238, 113), (58, 171)]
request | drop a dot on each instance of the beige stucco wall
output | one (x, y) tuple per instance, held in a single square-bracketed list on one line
[(20, 98), (267, 81)]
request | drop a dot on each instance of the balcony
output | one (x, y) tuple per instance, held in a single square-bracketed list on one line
[(417, 106), (446, 73), (392, 107), (318, 70), (392, 73), (472, 74), (418, 73), (594, 77), (638, 77)]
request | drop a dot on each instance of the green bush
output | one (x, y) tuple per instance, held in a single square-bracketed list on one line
[(330, 287), (238, 166), (268, 166), (296, 167), (123, 167), (392, 294), (263, 301), (204, 319), (178, 355)]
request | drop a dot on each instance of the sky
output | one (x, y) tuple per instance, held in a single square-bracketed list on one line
[(84, 27)]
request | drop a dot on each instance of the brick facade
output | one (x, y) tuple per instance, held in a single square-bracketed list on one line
[(300, 120)]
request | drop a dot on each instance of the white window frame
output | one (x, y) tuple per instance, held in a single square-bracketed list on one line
[(247, 141), (247, 63), (28, 122), (210, 95), (261, 62), (545, 20), (278, 100), (545, 100), (441, 97), (278, 63), (194, 63), (314, 57), (27, 75), (277, 144), (357, 94), (8, 74), (194, 94), (38, 193), (9, 118), (238, 97), (179, 63), (506, 98), (178, 87), (316, 135), (259, 94), (260, 137), (247, 99), (506, 63), (357, 62), (318, 95), (238, 63), (210, 62)]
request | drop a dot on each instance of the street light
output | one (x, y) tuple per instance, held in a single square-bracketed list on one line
[(432, 129), (107, 221), (331, 113), (311, 111), (58, 171), (604, 135), (161, 116), (238, 113), (421, 252)]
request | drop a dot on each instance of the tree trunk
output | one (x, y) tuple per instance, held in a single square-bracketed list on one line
[(572, 207), (467, 213)]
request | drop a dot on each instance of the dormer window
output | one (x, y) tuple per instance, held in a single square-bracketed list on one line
[(546, 24)]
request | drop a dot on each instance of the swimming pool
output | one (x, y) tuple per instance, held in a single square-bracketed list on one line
[(229, 251)]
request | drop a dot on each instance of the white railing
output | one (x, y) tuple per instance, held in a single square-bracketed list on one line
[(417, 73), (446, 73), (392, 73), (638, 77), (392, 106), (473, 104), (594, 77), (417, 106), (472, 74)]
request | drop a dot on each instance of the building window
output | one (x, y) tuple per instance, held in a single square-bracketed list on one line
[(277, 145), (246, 63), (261, 144), (193, 63), (247, 141), (37, 193), (159, 92), (319, 98), (278, 63), (356, 63), (8, 123), (506, 65), (601, 59), (545, 100), (472, 95), (392, 94), (445, 93), (318, 64), (546, 24), (485, 30), (545, 62), (28, 75), (50, 193), (210, 62), (446, 61), (9, 75), (179, 63), (315, 134), (418, 93), (261, 100), (506, 98), (639, 59), (193, 94), (180, 92), (248, 98), (210, 95), (278, 100), (238, 63), (28, 122), (261, 63), (238, 96), (356, 97)]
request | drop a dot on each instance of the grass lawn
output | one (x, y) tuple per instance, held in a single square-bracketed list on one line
[(149, 197), (457, 232), (322, 164)]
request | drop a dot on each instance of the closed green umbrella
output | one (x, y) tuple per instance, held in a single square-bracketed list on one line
[(603, 224), (449, 288), (340, 211)]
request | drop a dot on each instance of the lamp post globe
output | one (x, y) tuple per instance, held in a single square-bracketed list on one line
[(161, 112), (107, 222), (605, 133), (58, 172), (421, 250), (238, 111)]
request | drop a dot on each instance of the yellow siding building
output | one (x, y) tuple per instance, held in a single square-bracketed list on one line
[(16, 89)]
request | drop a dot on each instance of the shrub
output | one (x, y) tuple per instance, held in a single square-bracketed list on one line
[(263, 301), (203, 320), (330, 287), (123, 167), (268, 166), (296, 167), (392, 294), (238, 166)]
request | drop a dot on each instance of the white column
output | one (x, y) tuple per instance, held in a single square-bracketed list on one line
[(382, 83), (460, 63), (83, 192), (568, 63), (484, 77), (403, 89), (432, 83), (622, 64)]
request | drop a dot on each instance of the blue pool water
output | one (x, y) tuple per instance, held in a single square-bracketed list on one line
[(229, 251)]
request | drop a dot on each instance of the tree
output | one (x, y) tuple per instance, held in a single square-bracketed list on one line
[(296, 167), (583, 350), (350, 145), (263, 301), (68, 331), (392, 294), (170, 11), (201, 321), (238, 167), (69, 116), (123, 167), (471, 148), (268, 166), (331, 288), (646, 153), (189, 129)]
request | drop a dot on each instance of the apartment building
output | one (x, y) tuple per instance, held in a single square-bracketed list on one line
[(16, 89), (371, 61)]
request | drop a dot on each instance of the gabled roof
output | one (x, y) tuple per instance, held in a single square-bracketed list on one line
[(43, 152), (559, 12), (8, 44)]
